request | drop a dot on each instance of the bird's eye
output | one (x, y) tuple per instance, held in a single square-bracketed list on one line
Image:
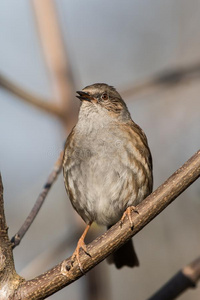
[(104, 96)]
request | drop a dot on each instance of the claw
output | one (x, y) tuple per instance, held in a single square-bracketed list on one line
[(128, 214), (80, 245)]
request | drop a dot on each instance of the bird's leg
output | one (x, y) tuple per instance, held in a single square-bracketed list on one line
[(128, 214), (81, 244)]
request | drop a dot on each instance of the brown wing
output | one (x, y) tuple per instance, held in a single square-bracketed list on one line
[(142, 147), (67, 160)]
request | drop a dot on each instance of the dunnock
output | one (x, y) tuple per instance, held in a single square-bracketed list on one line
[(107, 165)]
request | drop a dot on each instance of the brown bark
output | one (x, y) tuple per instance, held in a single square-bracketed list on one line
[(9, 279)]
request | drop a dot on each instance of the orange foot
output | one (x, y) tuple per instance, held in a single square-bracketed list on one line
[(81, 245), (128, 214)]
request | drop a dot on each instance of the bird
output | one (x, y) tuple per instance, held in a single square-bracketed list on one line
[(107, 166)]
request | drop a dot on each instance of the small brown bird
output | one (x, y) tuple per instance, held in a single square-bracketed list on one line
[(107, 165)]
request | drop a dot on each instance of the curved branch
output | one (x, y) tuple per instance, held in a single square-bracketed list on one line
[(179, 283), (64, 273)]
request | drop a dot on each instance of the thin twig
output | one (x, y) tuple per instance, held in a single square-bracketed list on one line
[(16, 239), (179, 283), (166, 78), (3, 226), (36, 101), (65, 273)]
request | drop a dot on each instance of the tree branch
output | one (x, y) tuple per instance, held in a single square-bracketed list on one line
[(29, 98), (56, 58), (166, 78), (9, 279), (179, 283), (16, 239), (64, 273)]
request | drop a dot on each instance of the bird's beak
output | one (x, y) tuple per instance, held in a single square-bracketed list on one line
[(84, 96)]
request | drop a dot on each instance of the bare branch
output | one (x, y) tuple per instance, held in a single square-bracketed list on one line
[(10, 280), (27, 97), (56, 58), (58, 65), (16, 239), (64, 273), (167, 78), (3, 226), (179, 283)]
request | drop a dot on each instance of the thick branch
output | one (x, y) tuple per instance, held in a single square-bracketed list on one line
[(8, 276), (63, 274), (179, 283), (16, 239), (27, 97)]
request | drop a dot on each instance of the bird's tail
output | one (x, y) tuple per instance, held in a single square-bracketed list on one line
[(124, 256)]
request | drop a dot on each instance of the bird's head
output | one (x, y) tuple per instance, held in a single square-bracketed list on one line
[(106, 96)]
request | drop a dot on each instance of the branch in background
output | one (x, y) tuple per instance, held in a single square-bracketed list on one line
[(58, 65), (36, 101), (16, 239), (166, 78), (56, 59), (179, 283), (64, 273)]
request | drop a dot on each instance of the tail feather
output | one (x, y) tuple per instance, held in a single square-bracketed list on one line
[(124, 256)]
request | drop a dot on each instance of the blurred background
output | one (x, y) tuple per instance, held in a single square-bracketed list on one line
[(50, 49)]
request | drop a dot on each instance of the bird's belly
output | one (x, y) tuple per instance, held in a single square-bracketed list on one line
[(103, 190)]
